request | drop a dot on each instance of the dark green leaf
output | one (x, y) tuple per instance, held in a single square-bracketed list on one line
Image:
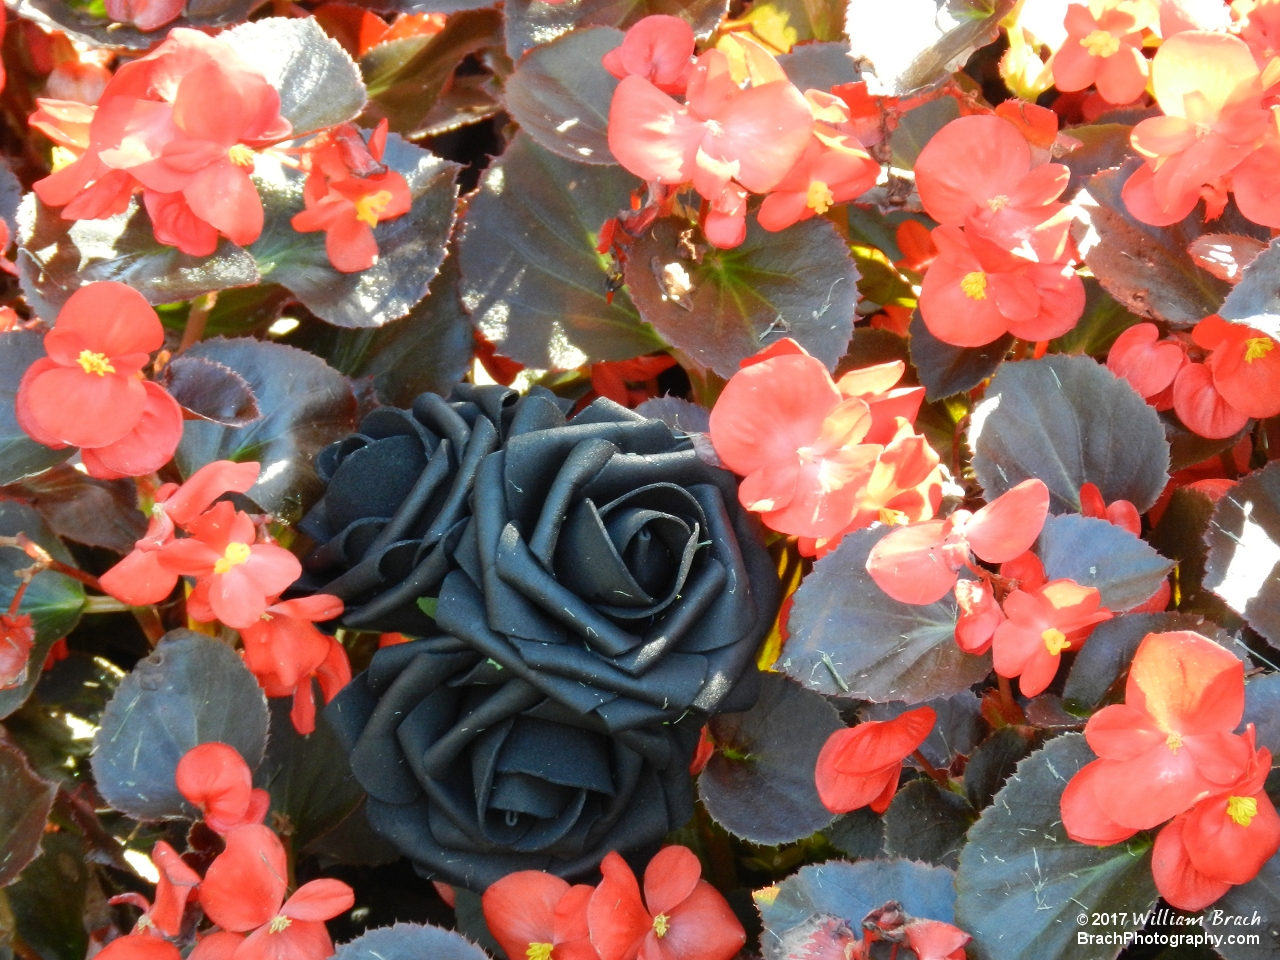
[(57, 257), (1096, 553), (911, 46), (917, 127), (1262, 708), (799, 283), (1243, 567), (1180, 536), (305, 406), (820, 65), (1146, 268), (48, 901), (859, 834), (1258, 291), (759, 784), (428, 350), (870, 346), (20, 456), (80, 22), (1256, 904), (1068, 421), (410, 247), (560, 94), (1187, 448), (946, 370), (1021, 882), (191, 690), (10, 198), (531, 22), (210, 391), (100, 513), (312, 789), (319, 84), (848, 638), (1102, 146), (848, 892), (531, 278), (53, 600), (925, 822), (405, 77), (25, 802), (410, 941), (468, 912), (1103, 320), (957, 729), (995, 760), (1110, 648)]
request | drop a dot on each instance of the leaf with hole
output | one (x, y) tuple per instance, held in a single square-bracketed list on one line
[(799, 283), (1068, 421), (850, 639), (191, 690), (759, 784)]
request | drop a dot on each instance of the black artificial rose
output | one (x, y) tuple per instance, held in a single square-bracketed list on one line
[(397, 499), (474, 774), (611, 569)]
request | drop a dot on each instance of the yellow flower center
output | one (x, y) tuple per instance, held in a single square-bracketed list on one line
[(539, 951), (1242, 810), (1101, 43), (1174, 742), (1055, 641), (278, 923), (974, 285), (1255, 348), (820, 197), (62, 158), (998, 203), (98, 363), (370, 208), (661, 923), (236, 553), (890, 517), (241, 155)]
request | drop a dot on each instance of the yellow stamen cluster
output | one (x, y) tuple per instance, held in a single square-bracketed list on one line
[(1055, 641), (539, 951), (974, 285), (1255, 348), (371, 207), (1173, 742), (241, 155), (661, 923), (1242, 810), (1101, 43), (998, 203), (98, 363), (820, 197), (236, 553), (278, 923)]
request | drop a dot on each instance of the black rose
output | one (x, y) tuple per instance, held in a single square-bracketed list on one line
[(610, 568), (474, 774), (397, 499)]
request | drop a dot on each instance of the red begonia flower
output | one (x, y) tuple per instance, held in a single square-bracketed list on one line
[(1201, 408), (1170, 743), (284, 650), (144, 449), (859, 766), (706, 746), (217, 945), (333, 673), (540, 917), (659, 49), (1245, 365), (935, 940), (1084, 813), (176, 885), (615, 378), (1208, 86), (976, 291), (1119, 513), (979, 617), (681, 917), (215, 779), (17, 637), (1026, 569), (139, 946), (1041, 624), (140, 578), (146, 15), (918, 564), (877, 387), (348, 210), (239, 576), (298, 932), (87, 392), (65, 122), (1104, 47), (1147, 362)]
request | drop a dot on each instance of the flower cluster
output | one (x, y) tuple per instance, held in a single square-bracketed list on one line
[(239, 575), (1170, 751), (1216, 380), (1005, 255), (243, 890), (89, 391), (680, 917), (742, 129), (819, 457)]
